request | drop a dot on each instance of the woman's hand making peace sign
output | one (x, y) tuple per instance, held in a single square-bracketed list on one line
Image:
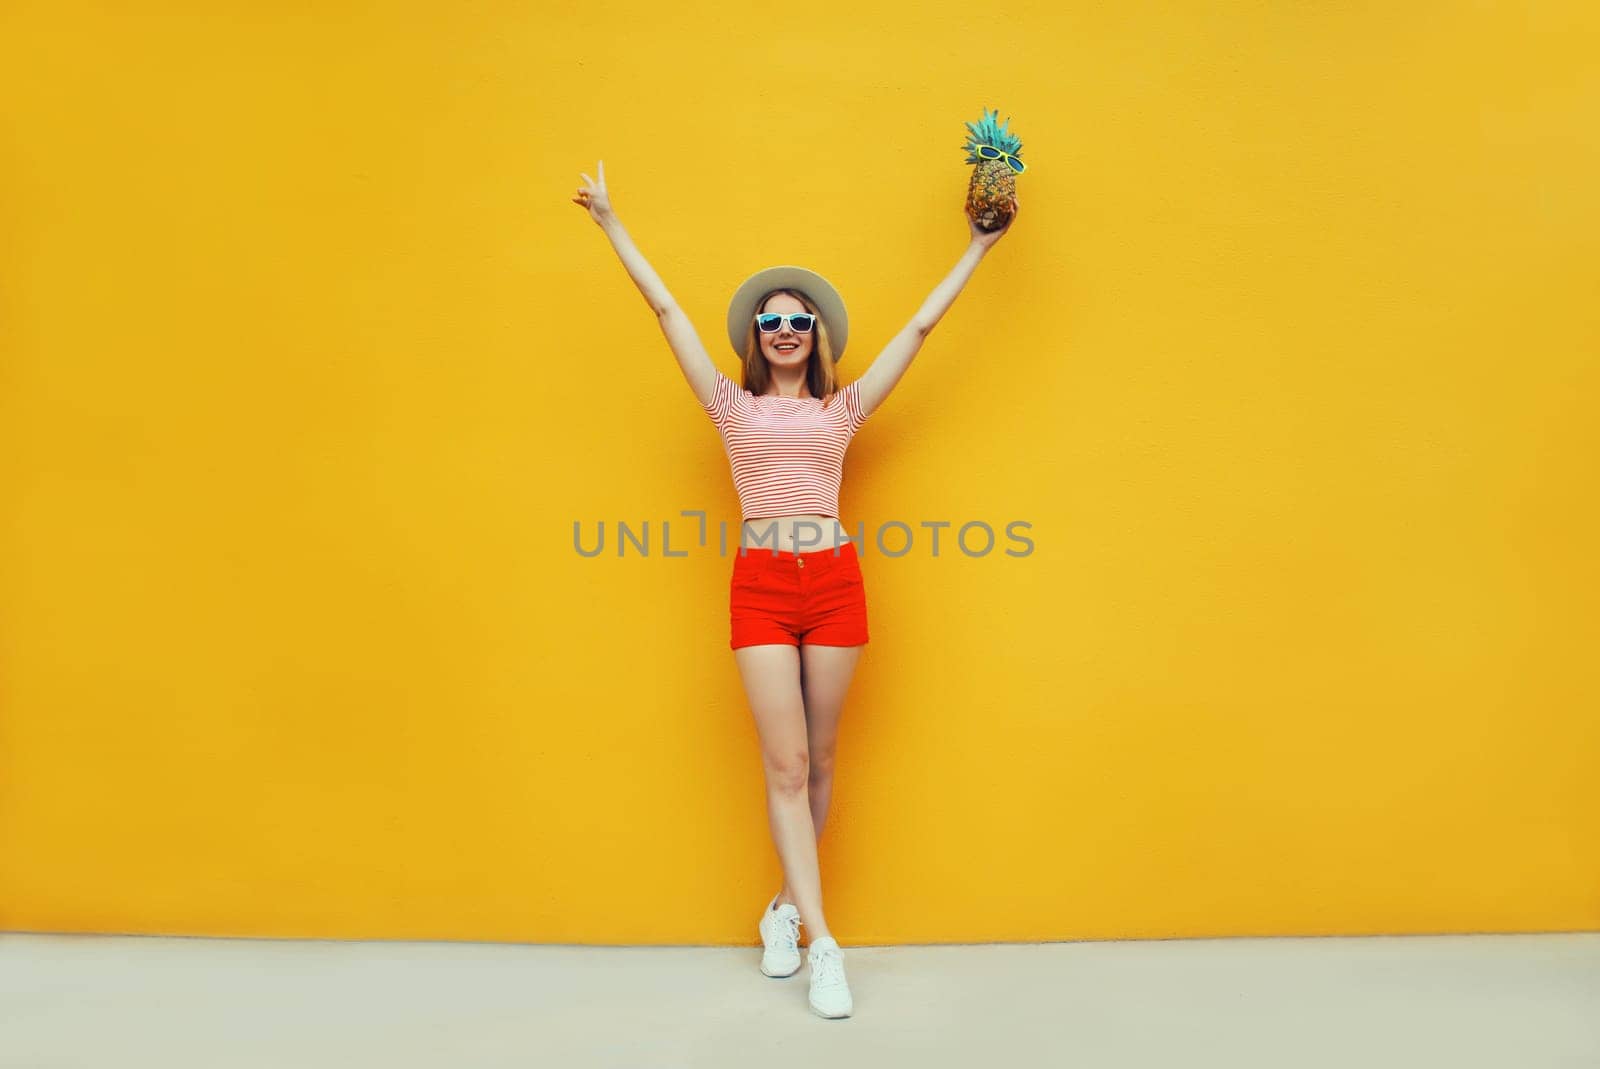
[(594, 196)]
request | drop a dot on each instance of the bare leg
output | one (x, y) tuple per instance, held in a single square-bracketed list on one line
[(772, 683), (826, 672)]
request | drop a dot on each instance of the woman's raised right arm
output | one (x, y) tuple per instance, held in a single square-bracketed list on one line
[(691, 354)]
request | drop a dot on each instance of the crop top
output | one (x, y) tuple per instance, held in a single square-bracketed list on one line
[(787, 453)]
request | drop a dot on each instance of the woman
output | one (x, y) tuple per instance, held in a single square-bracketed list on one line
[(798, 615)]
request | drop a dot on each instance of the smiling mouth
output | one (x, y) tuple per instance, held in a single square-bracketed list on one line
[(785, 346)]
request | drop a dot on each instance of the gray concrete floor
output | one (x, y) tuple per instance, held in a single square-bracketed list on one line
[(1501, 1001)]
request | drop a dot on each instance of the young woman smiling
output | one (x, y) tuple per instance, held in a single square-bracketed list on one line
[(797, 615)]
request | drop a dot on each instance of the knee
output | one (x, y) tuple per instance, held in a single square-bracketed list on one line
[(790, 772), (821, 767)]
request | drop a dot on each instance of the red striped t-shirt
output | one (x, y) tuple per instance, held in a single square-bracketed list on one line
[(787, 453)]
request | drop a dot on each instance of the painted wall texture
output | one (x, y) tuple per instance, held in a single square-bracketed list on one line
[(311, 368)]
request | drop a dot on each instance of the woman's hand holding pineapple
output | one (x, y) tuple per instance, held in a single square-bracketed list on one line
[(982, 238)]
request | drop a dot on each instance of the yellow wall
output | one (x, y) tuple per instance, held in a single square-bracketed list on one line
[(310, 365)]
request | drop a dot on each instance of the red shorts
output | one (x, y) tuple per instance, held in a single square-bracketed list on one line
[(817, 597)]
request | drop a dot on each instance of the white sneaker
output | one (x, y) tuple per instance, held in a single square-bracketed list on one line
[(780, 932), (830, 992)]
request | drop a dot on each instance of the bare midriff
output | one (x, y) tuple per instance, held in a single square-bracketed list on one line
[(785, 533)]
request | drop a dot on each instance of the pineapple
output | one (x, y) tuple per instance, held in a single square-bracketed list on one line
[(994, 182)]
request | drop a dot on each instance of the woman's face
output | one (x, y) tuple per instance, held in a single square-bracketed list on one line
[(786, 349)]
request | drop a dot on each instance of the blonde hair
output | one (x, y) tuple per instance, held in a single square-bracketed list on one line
[(822, 377)]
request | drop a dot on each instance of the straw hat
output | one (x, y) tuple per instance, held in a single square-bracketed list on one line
[(742, 308)]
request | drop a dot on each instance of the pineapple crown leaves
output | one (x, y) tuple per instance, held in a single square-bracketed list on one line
[(988, 132)]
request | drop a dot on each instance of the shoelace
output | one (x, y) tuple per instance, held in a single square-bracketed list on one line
[(827, 968), (788, 931)]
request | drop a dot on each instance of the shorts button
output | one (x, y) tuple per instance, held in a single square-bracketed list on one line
[(802, 561)]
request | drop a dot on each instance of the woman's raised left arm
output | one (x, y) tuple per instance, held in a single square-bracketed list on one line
[(885, 371)]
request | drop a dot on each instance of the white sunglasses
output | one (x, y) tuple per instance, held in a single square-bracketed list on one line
[(799, 322)]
